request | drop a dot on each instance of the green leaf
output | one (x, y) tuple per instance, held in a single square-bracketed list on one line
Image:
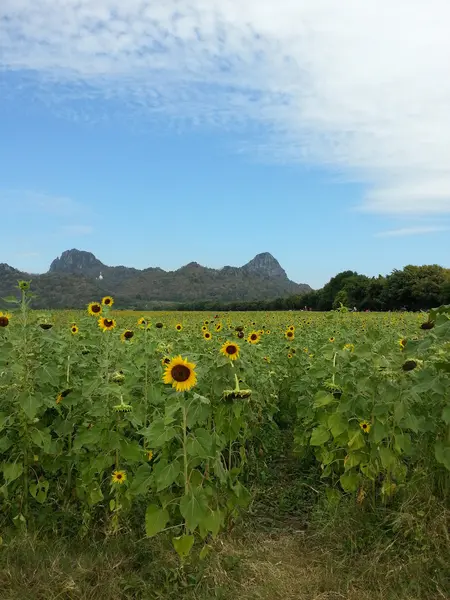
[(95, 495), (388, 458), (159, 434), (322, 398), (183, 545), (167, 475), (213, 521), (197, 412), (11, 299), (156, 519), (131, 451), (337, 424), (12, 471), (41, 438), (410, 422), (379, 432), (442, 454), (39, 490), (219, 470), (29, 404), (446, 414), (204, 552), (349, 482), (141, 481), (193, 508), (357, 441), (199, 444), (319, 436)]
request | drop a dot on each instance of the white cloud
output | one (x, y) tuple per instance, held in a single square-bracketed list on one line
[(360, 86), (420, 230), (29, 201), (77, 230)]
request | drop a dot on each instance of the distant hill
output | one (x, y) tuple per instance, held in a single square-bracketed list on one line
[(77, 277)]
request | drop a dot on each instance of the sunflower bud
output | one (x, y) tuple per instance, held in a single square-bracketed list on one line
[(118, 377), (24, 285)]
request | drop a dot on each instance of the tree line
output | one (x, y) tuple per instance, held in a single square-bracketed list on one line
[(411, 288)]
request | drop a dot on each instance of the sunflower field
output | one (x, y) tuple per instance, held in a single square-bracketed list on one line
[(108, 416)]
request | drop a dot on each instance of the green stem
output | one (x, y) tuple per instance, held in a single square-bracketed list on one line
[(185, 459)]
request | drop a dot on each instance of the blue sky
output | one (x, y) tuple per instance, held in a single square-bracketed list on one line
[(185, 134)]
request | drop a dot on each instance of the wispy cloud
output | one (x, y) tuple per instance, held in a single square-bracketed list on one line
[(38, 202), (77, 230), (360, 87), (426, 229)]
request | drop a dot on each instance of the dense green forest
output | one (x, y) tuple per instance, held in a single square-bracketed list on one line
[(412, 288)]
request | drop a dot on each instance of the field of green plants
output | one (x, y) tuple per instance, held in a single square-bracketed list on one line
[(111, 419)]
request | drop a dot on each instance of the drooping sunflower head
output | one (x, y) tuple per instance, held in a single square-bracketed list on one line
[(178, 326), (427, 325), (106, 324), (230, 350), (118, 477), (159, 325), (180, 373), (4, 319), (107, 301), (365, 426), (94, 309), (411, 364), (253, 337), (74, 329), (60, 397), (126, 335), (240, 334), (46, 325), (207, 335)]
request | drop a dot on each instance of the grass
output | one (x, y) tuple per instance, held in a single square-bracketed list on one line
[(290, 545)]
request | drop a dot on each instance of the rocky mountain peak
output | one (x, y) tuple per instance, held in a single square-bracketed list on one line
[(76, 261), (265, 264)]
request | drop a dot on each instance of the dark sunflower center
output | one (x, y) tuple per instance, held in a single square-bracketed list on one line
[(231, 349), (364, 425), (96, 308), (207, 335), (178, 327), (108, 323), (74, 329), (289, 333), (159, 325), (107, 301), (180, 373), (254, 336), (128, 335), (119, 476), (4, 321)]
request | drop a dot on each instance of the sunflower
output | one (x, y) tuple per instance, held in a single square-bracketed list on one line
[(240, 334), (331, 339), (181, 374), (402, 343), (219, 327), (118, 477), (291, 328), (289, 355), (205, 322), (178, 326), (107, 301), (230, 350), (349, 347), (165, 361), (94, 309), (74, 329), (142, 322), (126, 335), (290, 335), (62, 395), (159, 325), (365, 426), (106, 324), (45, 325), (204, 328), (268, 332), (149, 455), (4, 319), (207, 335), (253, 337)]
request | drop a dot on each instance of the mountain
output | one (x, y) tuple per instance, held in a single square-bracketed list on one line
[(77, 277)]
